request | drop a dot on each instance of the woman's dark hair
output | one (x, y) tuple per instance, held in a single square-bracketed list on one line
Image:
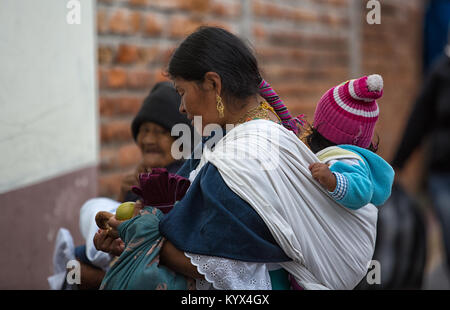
[(212, 49), (317, 142)]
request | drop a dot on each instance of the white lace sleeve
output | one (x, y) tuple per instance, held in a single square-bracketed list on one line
[(228, 274)]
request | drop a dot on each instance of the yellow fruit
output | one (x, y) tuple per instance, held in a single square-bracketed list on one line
[(125, 211)]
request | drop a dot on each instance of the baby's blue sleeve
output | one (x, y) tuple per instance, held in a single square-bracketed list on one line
[(354, 188)]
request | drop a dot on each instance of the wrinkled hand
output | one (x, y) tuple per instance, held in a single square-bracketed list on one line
[(130, 180), (109, 241), (322, 174), (105, 243)]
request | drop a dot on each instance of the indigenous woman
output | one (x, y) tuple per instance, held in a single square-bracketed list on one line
[(253, 216)]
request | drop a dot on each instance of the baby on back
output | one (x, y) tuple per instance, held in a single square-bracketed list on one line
[(341, 137)]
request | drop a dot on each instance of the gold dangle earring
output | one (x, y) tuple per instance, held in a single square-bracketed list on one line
[(219, 105)]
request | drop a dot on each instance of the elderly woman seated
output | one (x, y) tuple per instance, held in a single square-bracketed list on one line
[(151, 129)]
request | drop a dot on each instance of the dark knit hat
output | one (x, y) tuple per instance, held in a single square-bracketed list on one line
[(160, 107)]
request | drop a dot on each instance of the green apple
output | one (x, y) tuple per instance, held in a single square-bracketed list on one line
[(125, 211)]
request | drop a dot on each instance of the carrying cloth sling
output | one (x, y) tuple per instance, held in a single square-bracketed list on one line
[(267, 166), (138, 266)]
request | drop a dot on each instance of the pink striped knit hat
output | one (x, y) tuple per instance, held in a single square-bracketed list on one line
[(347, 113)]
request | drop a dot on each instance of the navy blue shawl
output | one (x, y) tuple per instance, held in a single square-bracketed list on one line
[(212, 220)]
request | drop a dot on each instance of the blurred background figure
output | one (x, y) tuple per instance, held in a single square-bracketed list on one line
[(410, 228), (151, 129), (436, 26), (430, 120)]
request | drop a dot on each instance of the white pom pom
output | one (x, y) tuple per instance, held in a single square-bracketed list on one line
[(375, 82)]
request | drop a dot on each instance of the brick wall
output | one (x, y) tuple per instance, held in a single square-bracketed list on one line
[(394, 50), (304, 47)]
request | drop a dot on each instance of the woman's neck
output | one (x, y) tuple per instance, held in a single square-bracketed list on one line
[(233, 117)]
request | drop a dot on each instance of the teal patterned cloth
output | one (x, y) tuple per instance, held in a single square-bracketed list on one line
[(138, 266)]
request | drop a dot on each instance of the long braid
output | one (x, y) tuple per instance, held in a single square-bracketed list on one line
[(292, 123)]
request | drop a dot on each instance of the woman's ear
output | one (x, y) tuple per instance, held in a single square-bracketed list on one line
[(212, 82)]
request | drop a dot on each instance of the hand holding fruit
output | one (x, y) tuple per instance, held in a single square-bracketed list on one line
[(107, 238), (109, 222)]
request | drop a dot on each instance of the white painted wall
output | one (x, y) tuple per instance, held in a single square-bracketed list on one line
[(48, 100)]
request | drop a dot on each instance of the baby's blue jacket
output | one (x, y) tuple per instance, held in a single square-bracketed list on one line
[(368, 182)]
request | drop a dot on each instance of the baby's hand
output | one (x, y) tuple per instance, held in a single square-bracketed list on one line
[(323, 175)]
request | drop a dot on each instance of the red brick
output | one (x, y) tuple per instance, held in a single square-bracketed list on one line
[(149, 55), (304, 16), (220, 9), (181, 26), (233, 9), (127, 54), (221, 24), (139, 79), (116, 78), (271, 10), (106, 106), (194, 5), (105, 55), (332, 20), (300, 65), (153, 25), (160, 76), (117, 130), (270, 53), (118, 22), (165, 4), (259, 32), (338, 3), (286, 71), (135, 22), (120, 105), (166, 54), (101, 78), (276, 11), (138, 3), (102, 21), (301, 105), (128, 105)]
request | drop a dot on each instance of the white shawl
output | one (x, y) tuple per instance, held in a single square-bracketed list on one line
[(267, 166)]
